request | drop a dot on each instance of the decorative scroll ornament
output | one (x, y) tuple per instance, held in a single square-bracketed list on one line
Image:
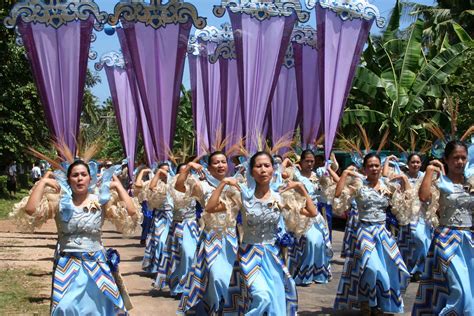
[(304, 35), (350, 9), (156, 14), (111, 59), (289, 60), (55, 13), (195, 48), (92, 53), (262, 10), (215, 34), (225, 50)]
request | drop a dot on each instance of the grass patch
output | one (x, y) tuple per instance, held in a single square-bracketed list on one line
[(20, 292), (7, 202)]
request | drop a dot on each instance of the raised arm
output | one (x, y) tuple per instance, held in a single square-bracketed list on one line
[(38, 191), (183, 176), (156, 178), (123, 195), (386, 165), (334, 175), (424, 192), (349, 172), (139, 180), (310, 209), (214, 204)]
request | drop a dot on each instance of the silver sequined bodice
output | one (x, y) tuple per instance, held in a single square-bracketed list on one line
[(456, 209), (82, 233), (371, 204), (260, 220), (186, 213)]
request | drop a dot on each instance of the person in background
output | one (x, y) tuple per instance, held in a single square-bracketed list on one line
[(12, 179), (36, 172)]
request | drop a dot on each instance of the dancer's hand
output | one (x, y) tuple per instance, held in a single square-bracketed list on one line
[(230, 181), (436, 166), (50, 181)]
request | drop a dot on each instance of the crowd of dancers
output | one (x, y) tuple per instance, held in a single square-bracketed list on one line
[(238, 238)]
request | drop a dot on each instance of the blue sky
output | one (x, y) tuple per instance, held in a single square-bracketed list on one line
[(105, 43)]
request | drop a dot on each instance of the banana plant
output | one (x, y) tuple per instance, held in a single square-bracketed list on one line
[(398, 86)]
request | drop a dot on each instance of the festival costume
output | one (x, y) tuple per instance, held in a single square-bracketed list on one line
[(261, 283), (85, 282), (142, 197), (374, 272), (207, 285), (310, 257), (415, 230), (180, 249), (447, 282), (161, 203)]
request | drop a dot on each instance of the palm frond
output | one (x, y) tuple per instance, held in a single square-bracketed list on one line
[(54, 163), (284, 142), (400, 147), (469, 131), (383, 141), (364, 137), (64, 151)]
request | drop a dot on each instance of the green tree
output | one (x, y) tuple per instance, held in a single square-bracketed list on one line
[(21, 113), (398, 86)]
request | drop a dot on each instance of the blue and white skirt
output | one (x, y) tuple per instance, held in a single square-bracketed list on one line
[(207, 286), (374, 273), (261, 283), (178, 256), (147, 220), (310, 258), (414, 242), (447, 282), (156, 240), (84, 285), (350, 232)]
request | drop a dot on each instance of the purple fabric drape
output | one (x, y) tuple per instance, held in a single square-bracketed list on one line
[(214, 102), (58, 59), (260, 46), (124, 100), (150, 150), (341, 43), (230, 94), (197, 64), (284, 106), (158, 57), (309, 98)]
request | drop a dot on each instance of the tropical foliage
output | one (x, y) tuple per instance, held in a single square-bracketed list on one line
[(402, 85)]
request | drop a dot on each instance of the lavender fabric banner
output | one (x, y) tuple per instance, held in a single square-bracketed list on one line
[(58, 58), (150, 150), (232, 108), (341, 43), (284, 106), (307, 82), (158, 57), (260, 47), (124, 100), (198, 64)]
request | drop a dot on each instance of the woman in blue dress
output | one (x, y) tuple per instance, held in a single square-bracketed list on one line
[(180, 246), (141, 195), (207, 287), (159, 200), (447, 282), (374, 275), (266, 288), (84, 282), (415, 228), (310, 257)]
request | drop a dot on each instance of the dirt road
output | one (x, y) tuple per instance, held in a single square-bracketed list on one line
[(35, 251)]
